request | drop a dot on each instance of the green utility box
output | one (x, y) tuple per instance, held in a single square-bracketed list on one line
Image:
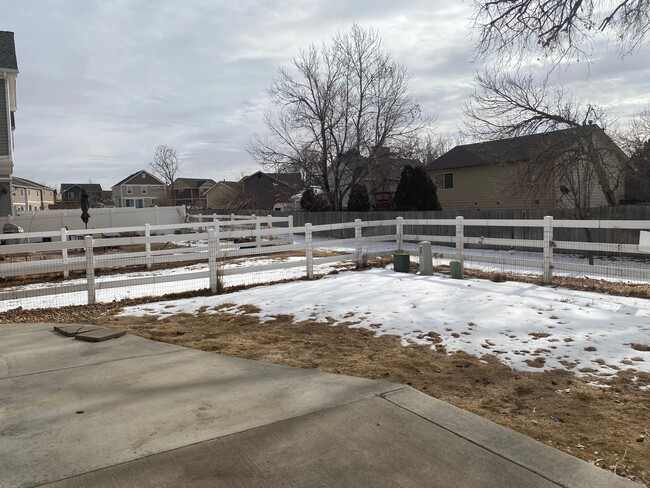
[(402, 263), (456, 270)]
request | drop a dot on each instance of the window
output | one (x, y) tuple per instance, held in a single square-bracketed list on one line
[(129, 202), (139, 203), (144, 190), (129, 190), (143, 175), (444, 181), (69, 195)]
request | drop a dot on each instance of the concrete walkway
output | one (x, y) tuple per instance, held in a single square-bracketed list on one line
[(137, 413)]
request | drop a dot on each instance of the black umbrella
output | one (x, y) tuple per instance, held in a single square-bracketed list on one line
[(85, 216)]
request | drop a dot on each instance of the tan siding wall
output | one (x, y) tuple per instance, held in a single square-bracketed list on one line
[(487, 187)]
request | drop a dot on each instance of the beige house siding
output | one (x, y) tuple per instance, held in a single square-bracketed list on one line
[(223, 196), (148, 198), (485, 188)]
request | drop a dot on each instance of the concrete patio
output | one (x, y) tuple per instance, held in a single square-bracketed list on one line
[(138, 413)]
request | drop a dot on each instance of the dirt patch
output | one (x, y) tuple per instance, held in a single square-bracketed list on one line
[(554, 407)]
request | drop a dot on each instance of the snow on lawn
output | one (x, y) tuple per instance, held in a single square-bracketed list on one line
[(519, 323)]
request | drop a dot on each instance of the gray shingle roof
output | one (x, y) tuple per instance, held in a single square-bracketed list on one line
[(91, 187), (514, 149), (8, 51), (18, 181), (195, 182)]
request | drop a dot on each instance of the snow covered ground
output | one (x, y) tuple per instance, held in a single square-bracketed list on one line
[(519, 323)]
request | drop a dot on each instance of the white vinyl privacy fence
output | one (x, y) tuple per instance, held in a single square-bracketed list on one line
[(216, 252)]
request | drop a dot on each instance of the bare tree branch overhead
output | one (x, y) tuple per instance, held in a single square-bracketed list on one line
[(506, 106), (165, 164), (558, 28), (338, 104)]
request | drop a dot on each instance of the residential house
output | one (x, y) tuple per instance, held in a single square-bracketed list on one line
[(8, 74), (259, 191), (28, 195), (227, 195), (140, 190), (70, 195), (191, 191), (507, 173)]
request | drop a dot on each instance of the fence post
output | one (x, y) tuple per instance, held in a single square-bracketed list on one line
[(258, 231), (200, 218), (309, 251), (64, 253), (213, 250), (215, 217), (547, 275), (269, 221), (358, 230), (290, 226), (155, 215), (147, 245), (399, 233), (232, 217), (90, 269), (460, 234)]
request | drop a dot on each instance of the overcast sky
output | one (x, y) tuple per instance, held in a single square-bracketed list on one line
[(102, 83)]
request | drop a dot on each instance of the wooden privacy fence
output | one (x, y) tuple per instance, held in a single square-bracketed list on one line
[(212, 241)]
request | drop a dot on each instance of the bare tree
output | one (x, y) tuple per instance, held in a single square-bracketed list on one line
[(426, 147), (165, 164), (334, 109), (635, 139), (511, 28), (578, 161)]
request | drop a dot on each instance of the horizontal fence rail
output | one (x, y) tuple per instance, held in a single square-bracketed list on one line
[(220, 251)]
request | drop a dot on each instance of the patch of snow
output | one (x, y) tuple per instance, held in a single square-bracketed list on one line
[(517, 322)]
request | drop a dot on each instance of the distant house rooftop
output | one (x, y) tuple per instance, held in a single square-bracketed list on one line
[(514, 149)]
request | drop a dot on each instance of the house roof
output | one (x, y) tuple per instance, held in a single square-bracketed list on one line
[(514, 149), (195, 182), (91, 187), (234, 185), (131, 176), (17, 181), (8, 51), (293, 180)]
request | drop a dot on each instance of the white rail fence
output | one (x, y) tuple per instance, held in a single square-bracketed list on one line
[(212, 243)]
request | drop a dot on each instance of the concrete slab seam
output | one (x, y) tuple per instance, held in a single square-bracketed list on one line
[(378, 395), (471, 441), (93, 364)]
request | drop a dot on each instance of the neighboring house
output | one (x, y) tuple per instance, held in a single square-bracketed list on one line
[(8, 74), (70, 195), (259, 191), (227, 195), (140, 190), (266, 190), (502, 173), (28, 195), (191, 191)]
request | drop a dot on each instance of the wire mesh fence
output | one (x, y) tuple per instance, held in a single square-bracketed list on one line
[(53, 269)]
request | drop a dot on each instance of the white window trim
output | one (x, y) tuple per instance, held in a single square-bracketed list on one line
[(129, 190)]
